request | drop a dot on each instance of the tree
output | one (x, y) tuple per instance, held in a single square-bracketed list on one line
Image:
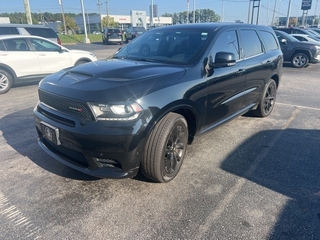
[(71, 24), (109, 22), (201, 15)]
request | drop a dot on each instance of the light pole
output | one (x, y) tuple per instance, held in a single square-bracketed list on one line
[(86, 39), (63, 17), (194, 11), (288, 14)]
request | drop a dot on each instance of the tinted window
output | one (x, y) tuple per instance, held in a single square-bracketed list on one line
[(114, 31), (251, 43), (42, 32), (18, 44), (285, 30), (2, 48), (227, 42), (269, 40), (8, 30)]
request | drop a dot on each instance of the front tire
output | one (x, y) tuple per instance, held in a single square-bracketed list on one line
[(268, 100), (299, 60), (6, 81), (165, 148)]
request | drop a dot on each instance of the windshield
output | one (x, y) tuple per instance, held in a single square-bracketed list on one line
[(167, 46)]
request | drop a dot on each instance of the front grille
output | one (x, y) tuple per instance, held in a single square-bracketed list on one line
[(66, 105), (71, 155)]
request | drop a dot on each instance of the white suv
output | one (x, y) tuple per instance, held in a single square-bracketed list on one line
[(30, 57)]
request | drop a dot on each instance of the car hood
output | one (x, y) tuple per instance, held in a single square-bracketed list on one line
[(112, 80)]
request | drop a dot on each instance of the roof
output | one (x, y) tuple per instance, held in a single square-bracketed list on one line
[(22, 25)]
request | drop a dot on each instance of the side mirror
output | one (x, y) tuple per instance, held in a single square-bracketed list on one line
[(223, 59), (283, 41)]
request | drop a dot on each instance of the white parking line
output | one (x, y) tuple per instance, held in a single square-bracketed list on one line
[(16, 217)]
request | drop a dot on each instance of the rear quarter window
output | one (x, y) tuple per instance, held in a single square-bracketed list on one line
[(251, 43), (8, 30), (42, 32), (269, 40), (2, 48)]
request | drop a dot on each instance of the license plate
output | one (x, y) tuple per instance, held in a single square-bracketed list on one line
[(50, 132)]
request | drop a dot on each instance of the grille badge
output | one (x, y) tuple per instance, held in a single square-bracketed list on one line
[(76, 109)]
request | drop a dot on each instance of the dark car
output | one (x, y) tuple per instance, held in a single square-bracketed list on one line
[(300, 54), (133, 32), (113, 35), (141, 108)]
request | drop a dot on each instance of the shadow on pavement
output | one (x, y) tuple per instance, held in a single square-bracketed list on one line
[(287, 162)]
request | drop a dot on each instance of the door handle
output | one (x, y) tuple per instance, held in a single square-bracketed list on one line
[(240, 71), (42, 54)]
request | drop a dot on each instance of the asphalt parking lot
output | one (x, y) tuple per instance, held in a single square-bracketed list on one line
[(251, 178)]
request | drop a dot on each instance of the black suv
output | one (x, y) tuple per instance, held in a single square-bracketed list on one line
[(296, 52), (141, 108), (113, 35)]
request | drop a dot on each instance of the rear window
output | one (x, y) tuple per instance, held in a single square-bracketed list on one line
[(114, 30), (139, 29), (42, 32), (8, 30)]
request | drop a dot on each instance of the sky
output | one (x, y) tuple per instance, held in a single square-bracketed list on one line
[(229, 10)]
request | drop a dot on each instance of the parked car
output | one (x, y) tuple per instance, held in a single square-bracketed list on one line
[(133, 32), (296, 30), (300, 54), (29, 57), (27, 29), (317, 30), (112, 35), (141, 108), (306, 38)]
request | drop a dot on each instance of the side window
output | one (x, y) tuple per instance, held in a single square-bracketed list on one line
[(18, 44), (8, 30), (227, 42), (269, 40), (2, 48), (41, 32), (42, 45), (251, 44)]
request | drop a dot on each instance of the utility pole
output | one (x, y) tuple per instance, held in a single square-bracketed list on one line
[(188, 10), (86, 39), (63, 18), (194, 11), (274, 11), (288, 14), (249, 12), (222, 18), (99, 6), (28, 12), (107, 13), (151, 19)]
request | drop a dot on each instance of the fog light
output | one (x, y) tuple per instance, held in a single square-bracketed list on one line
[(105, 162)]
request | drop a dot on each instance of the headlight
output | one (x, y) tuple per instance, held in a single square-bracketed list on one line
[(116, 112)]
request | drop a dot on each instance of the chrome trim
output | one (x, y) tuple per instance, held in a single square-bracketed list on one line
[(239, 95)]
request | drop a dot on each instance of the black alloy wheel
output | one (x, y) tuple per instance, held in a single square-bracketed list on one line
[(268, 99), (165, 149)]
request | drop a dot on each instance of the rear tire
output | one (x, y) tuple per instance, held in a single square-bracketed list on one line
[(299, 60), (165, 148), (6, 81), (268, 100)]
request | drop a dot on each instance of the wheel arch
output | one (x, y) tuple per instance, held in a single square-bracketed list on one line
[(186, 110), (9, 70), (307, 52), (83, 59)]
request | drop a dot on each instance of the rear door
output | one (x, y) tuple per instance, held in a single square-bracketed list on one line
[(260, 63)]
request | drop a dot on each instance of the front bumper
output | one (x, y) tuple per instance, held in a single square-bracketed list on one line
[(92, 148)]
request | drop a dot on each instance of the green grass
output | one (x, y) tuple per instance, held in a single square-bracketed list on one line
[(79, 38)]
